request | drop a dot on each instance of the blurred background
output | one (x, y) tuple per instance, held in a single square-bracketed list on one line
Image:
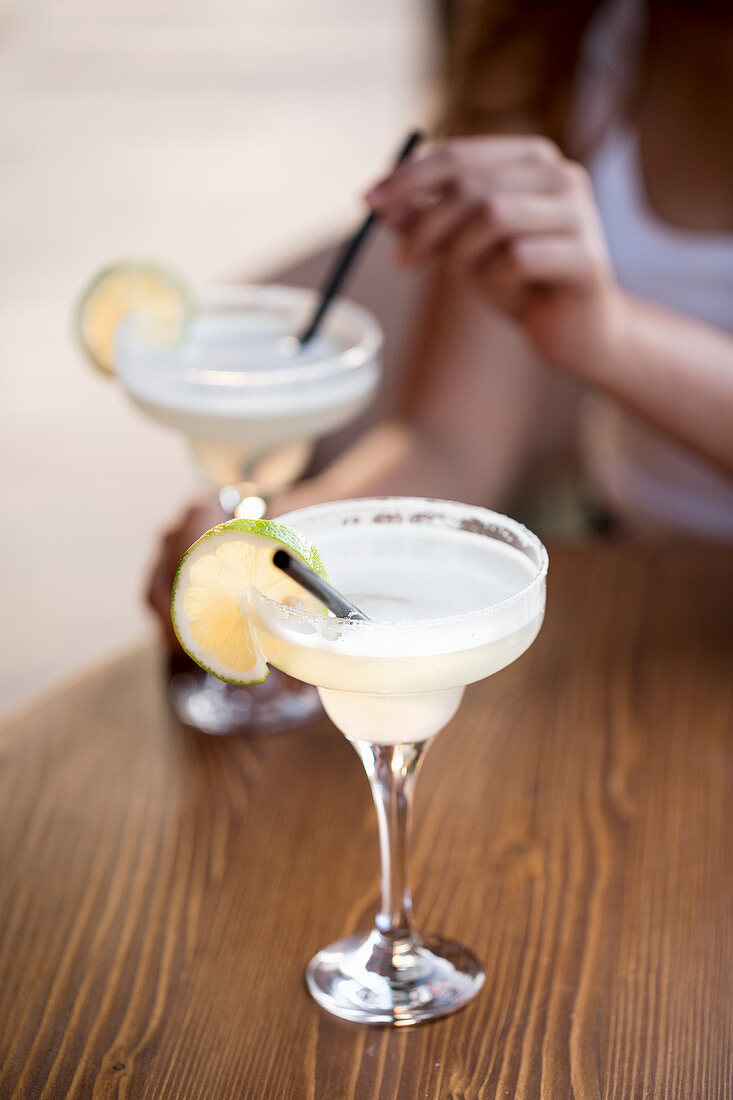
[(222, 136)]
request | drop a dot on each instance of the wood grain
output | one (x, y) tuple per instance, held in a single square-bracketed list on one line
[(160, 893)]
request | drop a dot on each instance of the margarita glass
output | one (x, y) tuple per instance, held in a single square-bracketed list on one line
[(252, 406), (453, 593)]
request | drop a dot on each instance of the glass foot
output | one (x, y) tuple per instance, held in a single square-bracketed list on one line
[(206, 704), (366, 979)]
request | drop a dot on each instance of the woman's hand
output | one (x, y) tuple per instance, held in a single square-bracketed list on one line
[(518, 220)]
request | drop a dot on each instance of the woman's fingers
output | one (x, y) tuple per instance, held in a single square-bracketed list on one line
[(471, 161), (430, 230), (513, 270), (504, 217), (557, 258), (401, 216)]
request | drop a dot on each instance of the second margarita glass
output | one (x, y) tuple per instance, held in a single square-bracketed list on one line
[(252, 407)]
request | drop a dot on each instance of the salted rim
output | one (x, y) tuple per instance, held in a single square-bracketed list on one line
[(271, 298), (406, 504)]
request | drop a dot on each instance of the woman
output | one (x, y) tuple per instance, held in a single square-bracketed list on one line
[(616, 272)]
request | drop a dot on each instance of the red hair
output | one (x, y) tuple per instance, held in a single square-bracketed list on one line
[(511, 64)]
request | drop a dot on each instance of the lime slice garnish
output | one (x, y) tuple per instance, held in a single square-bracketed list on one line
[(210, 603), (160, 297)]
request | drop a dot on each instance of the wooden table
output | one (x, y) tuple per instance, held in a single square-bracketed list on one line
[(161, 893)]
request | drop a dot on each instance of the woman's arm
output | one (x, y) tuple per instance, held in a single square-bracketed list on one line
[(675, 372), (518, 222)]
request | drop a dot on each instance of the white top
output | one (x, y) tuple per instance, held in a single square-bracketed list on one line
[(645, 477)]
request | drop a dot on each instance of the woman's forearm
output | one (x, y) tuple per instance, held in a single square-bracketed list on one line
[(372, 466), (400, 458), (676, 373)]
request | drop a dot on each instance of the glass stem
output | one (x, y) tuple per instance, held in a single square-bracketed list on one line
[(392, 772)]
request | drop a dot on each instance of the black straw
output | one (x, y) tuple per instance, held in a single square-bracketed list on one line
[(322, 590), (349, 252)]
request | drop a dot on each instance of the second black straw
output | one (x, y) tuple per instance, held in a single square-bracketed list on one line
[(349, 253)]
